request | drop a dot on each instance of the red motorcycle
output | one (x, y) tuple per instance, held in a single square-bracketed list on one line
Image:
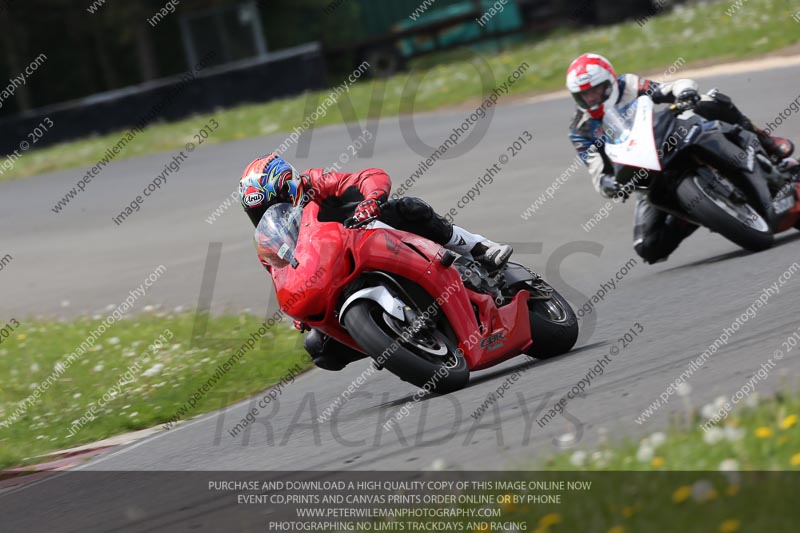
[(426, 314)]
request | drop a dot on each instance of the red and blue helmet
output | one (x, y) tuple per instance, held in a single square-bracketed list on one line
[(267, 181)]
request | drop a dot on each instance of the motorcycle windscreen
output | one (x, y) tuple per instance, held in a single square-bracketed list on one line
[(276, 234), (629, 129)]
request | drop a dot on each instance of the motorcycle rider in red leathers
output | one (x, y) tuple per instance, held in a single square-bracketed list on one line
[(594, 84), (363, 196)]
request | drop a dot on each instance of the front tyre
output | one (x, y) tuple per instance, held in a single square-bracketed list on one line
[(425, 359), (554, 326), (715, 206)]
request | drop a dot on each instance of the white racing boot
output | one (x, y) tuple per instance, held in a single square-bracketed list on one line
[(491, 255)]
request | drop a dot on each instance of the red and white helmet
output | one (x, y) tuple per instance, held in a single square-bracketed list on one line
[(589, 71)]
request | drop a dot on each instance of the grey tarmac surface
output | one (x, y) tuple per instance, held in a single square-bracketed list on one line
[(82, 257)]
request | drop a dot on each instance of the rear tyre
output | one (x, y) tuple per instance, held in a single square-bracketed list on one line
[(554, 327), (426, 359), (709, 204)]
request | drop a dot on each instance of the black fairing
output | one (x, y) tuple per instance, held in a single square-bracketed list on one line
[(732, 152), (688, 141), (516, 273)]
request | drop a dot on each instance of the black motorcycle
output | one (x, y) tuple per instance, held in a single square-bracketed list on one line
[(707, 172)]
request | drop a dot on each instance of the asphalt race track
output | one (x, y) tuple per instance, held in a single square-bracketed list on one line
[(79, 261)]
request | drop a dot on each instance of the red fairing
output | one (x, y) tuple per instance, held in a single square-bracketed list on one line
[(327, 184), (790, 218), (331, 257)]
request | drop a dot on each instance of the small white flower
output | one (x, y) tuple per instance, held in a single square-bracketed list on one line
[(684, 389), (657, 439), (153, 370), (729, 465), (77, 395), (734, 476), (719, 402), (752, 400), (578, 458), (600, 458), (701, 490), (133, 414), (35, 367), (438, 465), (644, 454), (708, 411), (113, 340), (733, 433), (566, 440), (148, 308), (98, 368), (713, 436), (40, 437)]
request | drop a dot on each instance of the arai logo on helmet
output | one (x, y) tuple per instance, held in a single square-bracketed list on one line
[(253, 198)]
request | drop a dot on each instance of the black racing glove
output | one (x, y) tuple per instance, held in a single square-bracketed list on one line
[(608, 185), (688, 98), (611, 188)]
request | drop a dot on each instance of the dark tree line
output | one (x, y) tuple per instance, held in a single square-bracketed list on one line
[(115, 47)]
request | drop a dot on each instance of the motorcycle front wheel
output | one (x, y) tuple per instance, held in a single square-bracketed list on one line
[(426, 359), (709, 202)]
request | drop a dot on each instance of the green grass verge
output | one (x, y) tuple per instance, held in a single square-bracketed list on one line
[(162, 384), (694, 33), (763, 435), (686, 479), (741, 477)]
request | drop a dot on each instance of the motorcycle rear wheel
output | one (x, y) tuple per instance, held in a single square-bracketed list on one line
[(426, 360)]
